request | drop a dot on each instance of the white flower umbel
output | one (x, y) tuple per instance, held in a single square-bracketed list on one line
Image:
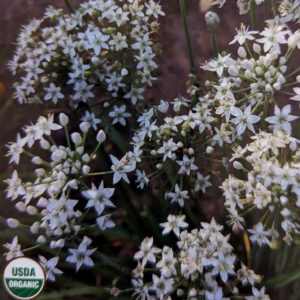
[(57, 191), (199, 266), (103, 45), (269, 186)]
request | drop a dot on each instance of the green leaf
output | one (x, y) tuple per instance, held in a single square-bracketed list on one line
[(80, 291), (284, 279)]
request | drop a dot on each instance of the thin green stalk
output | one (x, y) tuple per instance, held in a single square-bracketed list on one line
[(67, 136), (98, 173), (266, 9), (274, 6), (182, 4), (214, 43), (253, 11), (293, 72), (69, 5)]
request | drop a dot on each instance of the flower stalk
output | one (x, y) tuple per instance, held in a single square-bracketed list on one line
[(182, 4)]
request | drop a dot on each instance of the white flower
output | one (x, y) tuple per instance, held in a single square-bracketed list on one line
[(258, 294), (141, 179), (53, 93), (243, 35), (91, 118), (168, 148), (186, 165), (162, 286), (96, 40), (104, 222), (14, 249), (50, 267), (202, 182), (178, 196), (273, 37), (16, 149), (119, 115), (259, 235), (175, 224), (244, 119), (167, 263), (99, 198), (297, 92), (147, 251), (81, 255), (120, 168), (282, 118)]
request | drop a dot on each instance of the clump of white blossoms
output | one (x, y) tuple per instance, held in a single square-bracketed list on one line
[(177, 137), (258, 76), (203, 266), (267, 183), (103, 48), (289, 10), (57, 192)]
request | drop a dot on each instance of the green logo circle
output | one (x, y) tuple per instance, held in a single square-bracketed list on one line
[(24, 278)]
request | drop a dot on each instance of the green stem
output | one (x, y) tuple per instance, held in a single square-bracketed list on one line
[(187, 35), (67, 136), (266, 9), (99, 173), (253, 14), (69, 5), (214, 43), (32, 248)]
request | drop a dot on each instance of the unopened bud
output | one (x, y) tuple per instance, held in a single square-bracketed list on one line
[(12, 223), (101, 136), (76, 138), (212, 20), (63, 119), (237, 165)]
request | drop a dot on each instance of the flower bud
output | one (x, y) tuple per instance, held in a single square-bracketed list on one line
[(12, 223), (34, 229), (31, 210), (101, 136), (37, 160), (84, 126), (63, 119), (163, 106), (76, 138), (41, 239), (124, 72), (45, 144), (86, 169), (212, 21), (20, 206), (242, 52), (209, 149), (237, 165)]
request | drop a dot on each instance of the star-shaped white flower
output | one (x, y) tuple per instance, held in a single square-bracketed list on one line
[(282, 118)]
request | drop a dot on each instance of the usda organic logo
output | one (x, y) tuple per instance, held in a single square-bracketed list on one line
[(24, 278)]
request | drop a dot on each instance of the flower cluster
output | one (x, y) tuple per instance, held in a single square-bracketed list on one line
[(202, 266), (289, 10), (103, 46), (179, 135), (269, 184), (58, 196)]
